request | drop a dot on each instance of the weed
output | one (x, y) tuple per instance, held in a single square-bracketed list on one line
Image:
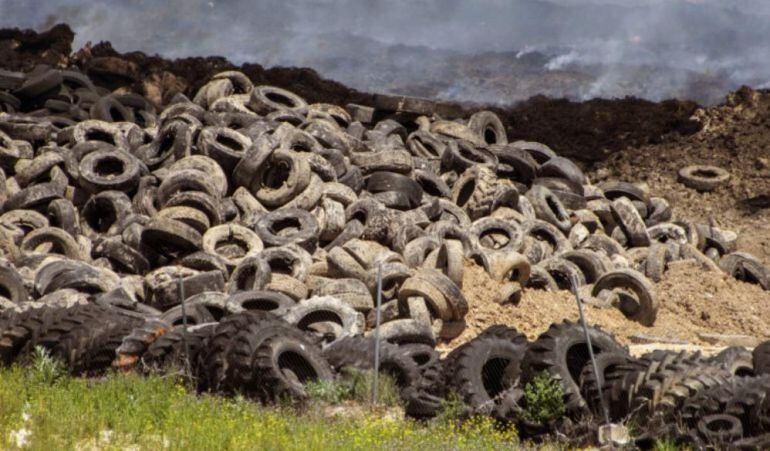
[(355, 386), (544, 399), (453, 410), (45, 369), (668, 445)]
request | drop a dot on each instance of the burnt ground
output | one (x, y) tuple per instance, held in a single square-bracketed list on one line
[(587, 131)]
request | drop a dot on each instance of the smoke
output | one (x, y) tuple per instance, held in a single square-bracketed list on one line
[(497, 51)]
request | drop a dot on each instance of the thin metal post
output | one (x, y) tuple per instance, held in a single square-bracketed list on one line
[(597, 374), (188, 369), (376, 375)]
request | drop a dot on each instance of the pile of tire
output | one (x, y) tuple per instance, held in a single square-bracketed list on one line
[(684, 396), (703, 401), (259, 209)]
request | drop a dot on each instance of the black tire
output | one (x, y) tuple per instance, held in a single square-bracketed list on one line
[(11, 285), (21, 329), (719, 429), (562, 352), (611, 366), (484, 370), (283, 364), (136, 342), (761, 358), (101, 352), (68, 337), (380, 182), (227, 361), (169, 350), (737, 360), (357, 353)]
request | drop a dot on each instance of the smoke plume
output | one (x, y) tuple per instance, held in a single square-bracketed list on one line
[(497, 51)]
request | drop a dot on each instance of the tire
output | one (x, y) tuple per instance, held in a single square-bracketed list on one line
[(69, 336), (252, 273), (720, 429), (136, 342), (266, 99), (101, 351), (612, 366), (357, 353), (232, 243), (444, 297), (703, 178), (407, 331), (737, 396), (109, 109), (645, 308), (737, 360), (23, 328), (484, 369), (267, 301), (630, 222), (381, 182), (168, 351), (761, 358), (224, 363), (747, 268), (284, 364), (170, 237), (350, 291), (497, 235), (549, 208), (475, 191), (12, 285), (592, 264), (326, 309), (289, 226), (563, 168), (488, 127), (562, 352)]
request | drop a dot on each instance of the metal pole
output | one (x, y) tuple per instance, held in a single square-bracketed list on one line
[(597, 374), (188, 369), (376, 375)]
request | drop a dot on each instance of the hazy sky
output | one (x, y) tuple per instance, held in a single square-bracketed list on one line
[(729, 37)]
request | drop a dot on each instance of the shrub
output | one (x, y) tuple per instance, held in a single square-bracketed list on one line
[(544, 399), (45, 369), (453, 409)]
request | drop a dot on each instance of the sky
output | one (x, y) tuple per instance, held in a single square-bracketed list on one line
[(674, 38)]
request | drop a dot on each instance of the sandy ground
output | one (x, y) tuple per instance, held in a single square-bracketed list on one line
[(691, 302)]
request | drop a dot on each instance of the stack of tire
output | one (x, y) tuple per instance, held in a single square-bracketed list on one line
[(707, 402), (684, 396), (251, 189), (246, 200)]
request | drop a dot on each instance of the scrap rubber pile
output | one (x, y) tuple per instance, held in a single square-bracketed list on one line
[(276, 218)]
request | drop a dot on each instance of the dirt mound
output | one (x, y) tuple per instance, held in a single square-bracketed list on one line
[(691, 302), (736, 137), (21, 50), (587, 131)]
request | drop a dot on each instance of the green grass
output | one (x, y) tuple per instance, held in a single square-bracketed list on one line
[(355, 386), (56, 412)]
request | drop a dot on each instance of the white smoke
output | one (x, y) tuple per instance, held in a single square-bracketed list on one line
[(505, 50)]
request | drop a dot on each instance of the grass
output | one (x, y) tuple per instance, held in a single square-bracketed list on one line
[(41, 408), (355, 386)]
